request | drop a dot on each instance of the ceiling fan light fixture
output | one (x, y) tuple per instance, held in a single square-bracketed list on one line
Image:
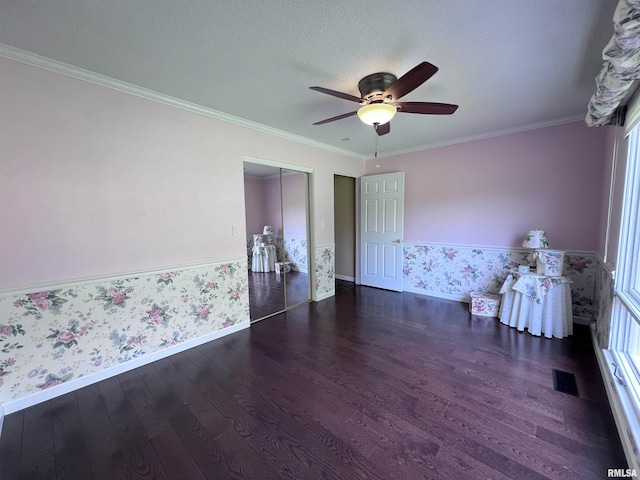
[(379, 113)]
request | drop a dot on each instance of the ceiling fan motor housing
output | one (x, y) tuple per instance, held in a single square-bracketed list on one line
[(373, 86), (379, 95)]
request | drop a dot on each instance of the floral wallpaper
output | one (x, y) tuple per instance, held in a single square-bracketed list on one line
[(324, 278), (58, 335), (454, 271), (293, 249), (582, 270), (534, 286), (604, 305)]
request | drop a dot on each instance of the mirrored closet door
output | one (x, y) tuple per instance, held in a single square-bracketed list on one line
[(277, 222)]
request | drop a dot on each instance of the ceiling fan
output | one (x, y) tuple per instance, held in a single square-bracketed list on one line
[(380, 93)]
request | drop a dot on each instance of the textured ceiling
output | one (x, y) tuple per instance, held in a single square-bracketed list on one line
[(510, 65)]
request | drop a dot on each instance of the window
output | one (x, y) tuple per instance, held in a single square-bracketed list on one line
[(628, 284), (623, 354)]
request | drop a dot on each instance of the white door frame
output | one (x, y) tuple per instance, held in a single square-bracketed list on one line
[(309, 208), (385, 240)]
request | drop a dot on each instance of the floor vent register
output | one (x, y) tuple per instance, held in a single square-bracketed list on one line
[(564, 382)]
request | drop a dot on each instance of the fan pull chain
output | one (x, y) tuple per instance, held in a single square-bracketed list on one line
[(375, 151)]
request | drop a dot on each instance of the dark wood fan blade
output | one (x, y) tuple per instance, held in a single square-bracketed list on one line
[(333, 119), (383, 129), (428, 108), (411, 80), (333, 93)]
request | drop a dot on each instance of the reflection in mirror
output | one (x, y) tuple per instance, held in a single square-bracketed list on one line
[(276, 223), (295, 241), (263, 209)]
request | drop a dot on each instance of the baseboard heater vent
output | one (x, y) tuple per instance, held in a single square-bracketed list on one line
[(564, 382)]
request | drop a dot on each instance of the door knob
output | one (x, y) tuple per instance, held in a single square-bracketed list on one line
[(397, 241)]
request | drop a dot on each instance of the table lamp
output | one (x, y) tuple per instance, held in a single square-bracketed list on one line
[(267, 231), (534, 239)]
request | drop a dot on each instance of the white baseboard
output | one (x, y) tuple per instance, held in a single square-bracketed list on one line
[(581, 320), (77, 383), (618, 397), (467, 299), (446, 296), (324, 296), (345, 278)]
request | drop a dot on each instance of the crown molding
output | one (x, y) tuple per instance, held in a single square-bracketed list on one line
[(482, 136), (46, 63), (55, 66)]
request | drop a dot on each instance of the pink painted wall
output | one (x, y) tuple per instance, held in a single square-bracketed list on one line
[(255, 206), (490, 192), (273, 204), (97, 182), (293, 196)]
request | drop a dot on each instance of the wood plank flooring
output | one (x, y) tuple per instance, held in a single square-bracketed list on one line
[(266, 292), (367, 385), (342, 285)]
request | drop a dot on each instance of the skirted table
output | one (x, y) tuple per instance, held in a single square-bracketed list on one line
[(263, 258), (539, 303)]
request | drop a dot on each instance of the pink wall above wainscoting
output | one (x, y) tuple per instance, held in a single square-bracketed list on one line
[(95, 182), (262, 204), (295, 207), (491, 191), (273, 204), (254, 205)]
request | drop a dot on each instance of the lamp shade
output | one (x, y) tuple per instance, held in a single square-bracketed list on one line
[(536, 239), (267, 230), (379, 113)]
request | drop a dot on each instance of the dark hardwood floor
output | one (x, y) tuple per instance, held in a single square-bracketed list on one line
[(342, 285), (266, 292), (369, 384)]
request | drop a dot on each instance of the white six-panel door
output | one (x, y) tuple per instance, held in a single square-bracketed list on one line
[(381, 230)]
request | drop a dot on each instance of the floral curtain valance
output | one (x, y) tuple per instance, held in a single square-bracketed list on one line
[(621, 64)]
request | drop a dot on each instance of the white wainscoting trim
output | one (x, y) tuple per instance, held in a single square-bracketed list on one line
[(80, 382), (491, 247), (465, 245), (446, 296), (581, 320), (120, 276)]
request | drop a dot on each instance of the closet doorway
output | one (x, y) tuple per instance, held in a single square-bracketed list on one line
[(277, 225), (345, 231)]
